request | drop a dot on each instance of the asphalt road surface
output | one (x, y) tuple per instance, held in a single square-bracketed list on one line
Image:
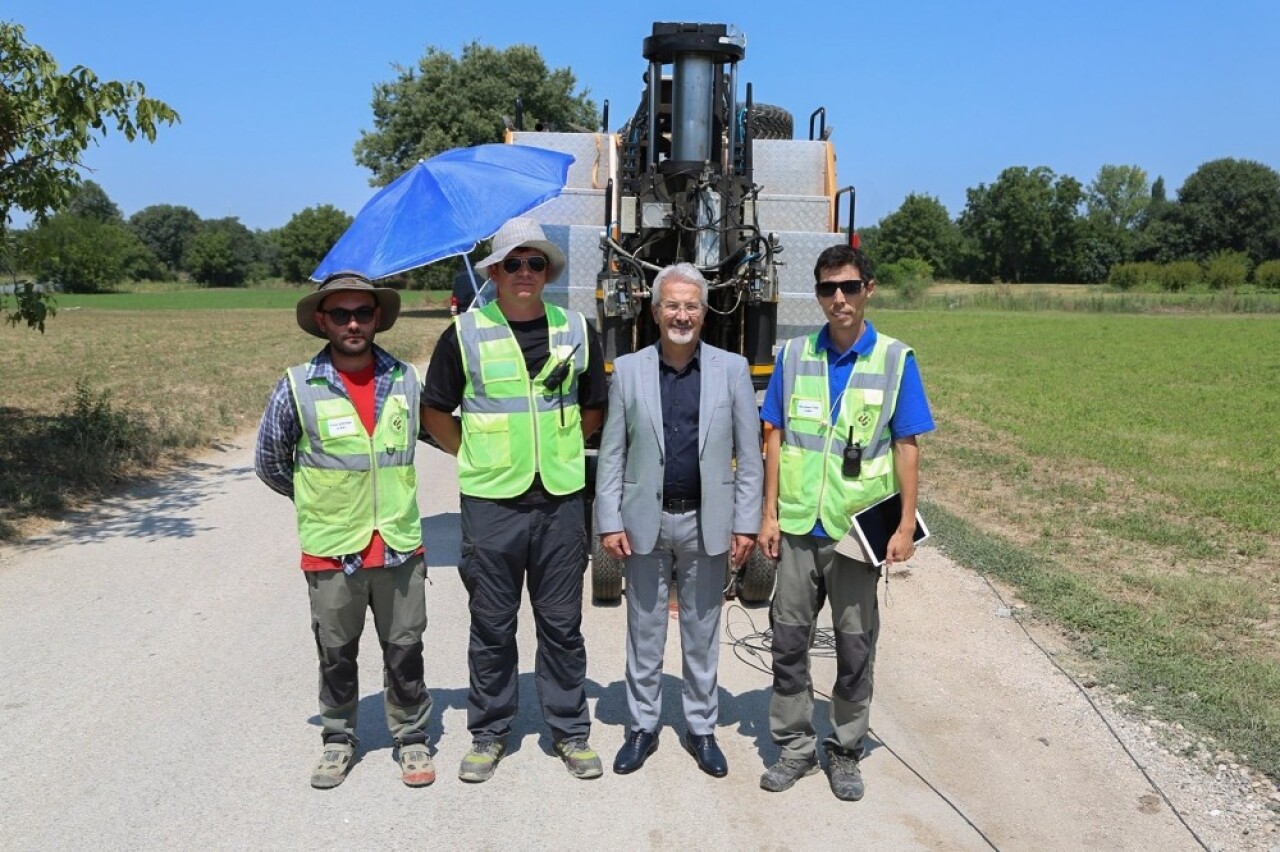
[(158, 683)]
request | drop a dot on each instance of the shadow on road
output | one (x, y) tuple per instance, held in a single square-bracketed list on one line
[(156, 509), (442, 535)]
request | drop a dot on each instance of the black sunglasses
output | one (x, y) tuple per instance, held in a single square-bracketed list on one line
[(342, 316), (827, 289), (536, 263)]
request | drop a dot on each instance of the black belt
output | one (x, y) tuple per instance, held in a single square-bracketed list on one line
[(679, 507)]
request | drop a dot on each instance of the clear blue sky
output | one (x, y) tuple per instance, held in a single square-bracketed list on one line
[(931, 97)]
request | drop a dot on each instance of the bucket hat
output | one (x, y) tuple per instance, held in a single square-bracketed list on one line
[(522, 232), (388, 300)]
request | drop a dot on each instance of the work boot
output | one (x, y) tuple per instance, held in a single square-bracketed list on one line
[(416, 767), (844, 775), (580, 758), (335, 760), (479, 763), (786, 772)]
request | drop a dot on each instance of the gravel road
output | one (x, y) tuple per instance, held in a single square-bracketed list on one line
[(159, 688)]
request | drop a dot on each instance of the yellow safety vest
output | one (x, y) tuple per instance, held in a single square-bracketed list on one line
[(811, 482), (514, 427), (347, 483)]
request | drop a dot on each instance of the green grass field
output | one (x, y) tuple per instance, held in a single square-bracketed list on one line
[(1119, 472)]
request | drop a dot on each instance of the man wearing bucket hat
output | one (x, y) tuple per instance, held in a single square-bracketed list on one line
[(338, 439), (529, 379)]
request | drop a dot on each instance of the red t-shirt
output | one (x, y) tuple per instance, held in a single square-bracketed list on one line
[(360, 388)]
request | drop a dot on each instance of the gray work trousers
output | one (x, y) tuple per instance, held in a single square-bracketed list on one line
[(809, 572), (398, 600), (699, 586), (507, 545)]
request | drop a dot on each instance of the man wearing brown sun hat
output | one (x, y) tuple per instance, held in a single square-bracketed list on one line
[(338, 439)]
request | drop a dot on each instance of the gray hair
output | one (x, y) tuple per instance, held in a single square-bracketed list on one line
[(686, 272)]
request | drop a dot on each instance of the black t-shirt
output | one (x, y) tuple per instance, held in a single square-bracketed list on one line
[(446, 381)]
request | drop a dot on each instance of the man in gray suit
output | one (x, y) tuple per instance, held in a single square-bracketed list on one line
[(678, 488)]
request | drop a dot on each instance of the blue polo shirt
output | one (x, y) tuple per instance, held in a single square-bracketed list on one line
[(911, 414)]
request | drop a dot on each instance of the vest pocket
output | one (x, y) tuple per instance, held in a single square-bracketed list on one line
[(791, 472), (569, 436), (488, 441)]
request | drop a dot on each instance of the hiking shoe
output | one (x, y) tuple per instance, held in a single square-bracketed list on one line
[(479, 763), (416, 766), (844, 775), (335, 760), (580, 758), (786, 772)]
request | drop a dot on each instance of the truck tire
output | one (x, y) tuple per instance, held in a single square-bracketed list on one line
[(771, 122), (757, 578), (606, 575)]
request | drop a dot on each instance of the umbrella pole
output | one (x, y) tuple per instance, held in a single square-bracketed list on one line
[(475, 287)]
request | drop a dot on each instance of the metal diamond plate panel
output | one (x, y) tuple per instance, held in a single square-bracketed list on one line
[(795, 263), (572, 207), (585, 259), (798, 310), (798, 315), (594, 155), (793, 213), (576, 288), (790, 167)]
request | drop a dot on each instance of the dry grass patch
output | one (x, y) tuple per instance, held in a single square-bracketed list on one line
[(141, 388)]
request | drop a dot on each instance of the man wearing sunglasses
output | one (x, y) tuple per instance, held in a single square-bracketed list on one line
[(842, 412), (678, 491), (338, 439), (529, 379)]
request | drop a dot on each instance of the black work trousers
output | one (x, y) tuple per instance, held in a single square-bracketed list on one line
[(507, 545)]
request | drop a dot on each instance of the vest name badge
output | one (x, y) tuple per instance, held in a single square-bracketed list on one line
[(809, 409), (340, 427)]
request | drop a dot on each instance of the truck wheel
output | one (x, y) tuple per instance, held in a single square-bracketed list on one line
[(771, 122), (757, 578), (606, 575)]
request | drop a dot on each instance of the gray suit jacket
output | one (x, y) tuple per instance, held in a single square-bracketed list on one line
[(630, 471)]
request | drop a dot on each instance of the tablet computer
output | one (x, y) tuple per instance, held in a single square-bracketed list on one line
[(868, 537)]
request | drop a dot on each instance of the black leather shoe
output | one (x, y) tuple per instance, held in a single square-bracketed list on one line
[(709, 756), (634, 752)]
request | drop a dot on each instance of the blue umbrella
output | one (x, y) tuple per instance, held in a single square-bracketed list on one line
[(444, 206)]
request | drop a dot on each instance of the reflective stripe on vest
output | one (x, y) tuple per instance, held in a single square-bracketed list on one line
[(513, 427), (811, 482), (346, 484)]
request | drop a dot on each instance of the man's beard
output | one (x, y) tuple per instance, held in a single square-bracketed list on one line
[(352, 345), (680, 335)]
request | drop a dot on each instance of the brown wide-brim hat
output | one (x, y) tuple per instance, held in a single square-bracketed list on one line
[(388, 300), (522, 232)]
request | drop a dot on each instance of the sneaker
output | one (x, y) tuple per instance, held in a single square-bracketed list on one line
[(844, 775), (416, 766), (479, 763), (786, 772), (580, 758), (335, 760)]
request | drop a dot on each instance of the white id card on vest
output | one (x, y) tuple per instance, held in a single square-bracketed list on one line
[(341, 426)]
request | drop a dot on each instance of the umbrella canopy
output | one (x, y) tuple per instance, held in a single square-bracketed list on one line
[(444, 206)]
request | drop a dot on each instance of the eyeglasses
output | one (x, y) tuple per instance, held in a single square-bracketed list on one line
[(342, 316), (536, 263), (827, 289), (675, 308)]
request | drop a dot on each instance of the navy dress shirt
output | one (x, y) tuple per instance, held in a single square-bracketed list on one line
[(681, 390)]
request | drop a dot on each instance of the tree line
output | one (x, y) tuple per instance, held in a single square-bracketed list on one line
[(1030, 224), (89, 246)]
